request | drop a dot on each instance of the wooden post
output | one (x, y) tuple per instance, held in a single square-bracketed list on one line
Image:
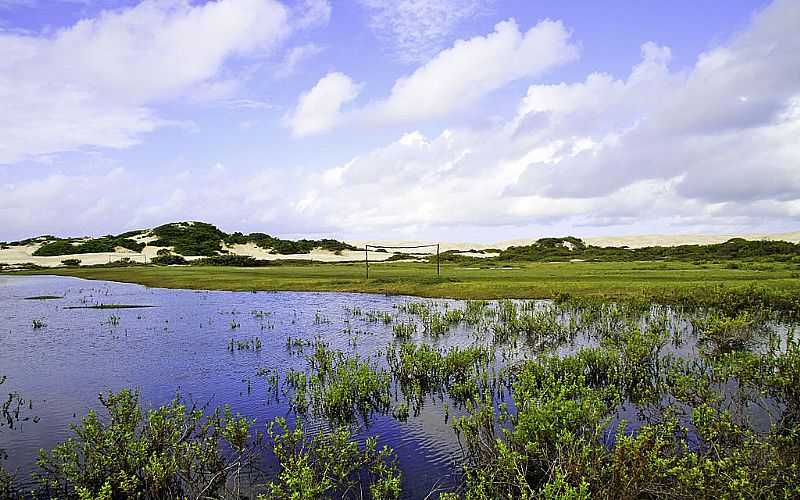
[(437, 260), (366, 258)]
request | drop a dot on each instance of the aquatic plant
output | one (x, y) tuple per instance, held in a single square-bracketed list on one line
[(330, 465), (421, 370), (169, 452), (340, 388), (404, 329), (724, 333)]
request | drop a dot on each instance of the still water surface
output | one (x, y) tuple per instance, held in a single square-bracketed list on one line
[(181, 344)]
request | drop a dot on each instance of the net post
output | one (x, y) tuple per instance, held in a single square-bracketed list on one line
[(366, 258)]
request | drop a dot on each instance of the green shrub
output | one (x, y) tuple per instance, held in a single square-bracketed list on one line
[(96, 245), (330, 465), (168, 260), (169, 452), (190, 238)]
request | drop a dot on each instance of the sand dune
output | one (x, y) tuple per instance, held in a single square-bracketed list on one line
[(24, 254)]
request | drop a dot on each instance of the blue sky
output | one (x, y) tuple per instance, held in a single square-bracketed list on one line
[(415, 119)]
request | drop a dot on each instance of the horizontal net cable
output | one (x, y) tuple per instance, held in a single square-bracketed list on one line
[(405, 247)]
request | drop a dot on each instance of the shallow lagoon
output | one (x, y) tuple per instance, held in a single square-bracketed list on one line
[(189, 342), (181, 344)]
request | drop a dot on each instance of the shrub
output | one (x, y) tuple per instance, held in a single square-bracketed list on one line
[(190, 238), (169, 452), (231, 260), (168, 260), (331, 466), (71, 262)]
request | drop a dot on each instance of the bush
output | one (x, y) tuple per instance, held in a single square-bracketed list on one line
[(190, 238), (168, 260), (331, 466), (169, 452), (71, 262), (231, 260), (97, 245)]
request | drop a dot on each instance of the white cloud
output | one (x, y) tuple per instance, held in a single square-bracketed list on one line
[(459, 76), (724, 126), (472, 68), (89, 84), (418, 29), (319, 108), (296, 56), (673, 149), (656, 150)]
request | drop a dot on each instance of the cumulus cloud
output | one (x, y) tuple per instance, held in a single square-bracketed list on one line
[(709, 147), (418, 29), (459, 76), (319, 108), (714, 145), (724, 126), (90, 84)]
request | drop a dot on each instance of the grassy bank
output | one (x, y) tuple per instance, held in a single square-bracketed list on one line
[(664, 281)]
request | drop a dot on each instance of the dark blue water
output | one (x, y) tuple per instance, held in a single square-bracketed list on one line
[(181, 344)]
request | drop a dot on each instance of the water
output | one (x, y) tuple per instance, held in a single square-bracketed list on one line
[(180, 345)]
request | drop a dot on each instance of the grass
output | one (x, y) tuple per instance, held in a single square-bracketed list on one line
[(612, 280)]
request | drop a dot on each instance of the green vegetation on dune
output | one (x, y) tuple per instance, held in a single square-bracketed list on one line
[(95, 245), (200, 238), (286, 247), (189, 238), (561, 249), (185, 238)]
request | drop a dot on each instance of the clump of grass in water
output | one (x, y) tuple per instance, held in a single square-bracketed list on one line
[(421, 370), (38, 323), (320, 319), (253, 344), (376, 316), (404, 329), (728, 334), (340, 388)]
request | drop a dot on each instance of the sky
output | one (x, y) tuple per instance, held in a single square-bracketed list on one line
[(441, 120)]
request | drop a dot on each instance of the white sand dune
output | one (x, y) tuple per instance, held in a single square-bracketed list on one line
[(16, 255)]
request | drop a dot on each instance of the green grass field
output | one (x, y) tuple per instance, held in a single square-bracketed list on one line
[(524, 280)]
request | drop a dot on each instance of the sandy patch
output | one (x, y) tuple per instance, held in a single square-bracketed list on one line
[(252, 250), (684, 239)]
